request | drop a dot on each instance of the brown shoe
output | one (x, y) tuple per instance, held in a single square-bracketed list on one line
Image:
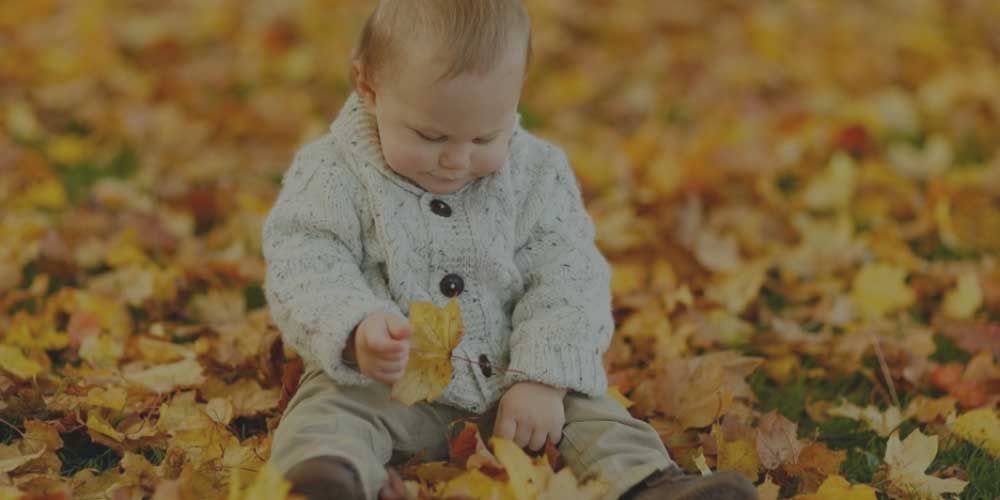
[(323, 478), (674, 484)]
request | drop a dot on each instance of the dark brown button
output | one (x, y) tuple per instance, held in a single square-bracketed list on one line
[(452, 285), (440, 208), (485, 365)]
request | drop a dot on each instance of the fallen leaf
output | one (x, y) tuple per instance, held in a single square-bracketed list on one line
[(882, 422), (14, 362), (267, 485), (165, 378), (618, 396), (980, 427), (739, 454), (816, 462), (527, 479), (565, 485), (768, 490), (701, 463), (880, 289), (837, 488), (777, 441), (965, 299), (697, 391), (907, 462), (475, 484)]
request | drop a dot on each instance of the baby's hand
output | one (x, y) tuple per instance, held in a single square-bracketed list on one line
[(529, 413), (381, 346)]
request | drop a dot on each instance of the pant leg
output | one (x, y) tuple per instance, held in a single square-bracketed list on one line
[(359, 424), (602, 439)]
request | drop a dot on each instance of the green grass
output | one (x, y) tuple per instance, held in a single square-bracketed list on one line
[(8, 433), (254, 295), (947, 351), (983, 470), (154, 455), (79, 179), (79, 452), (787, 183), (790, 399)]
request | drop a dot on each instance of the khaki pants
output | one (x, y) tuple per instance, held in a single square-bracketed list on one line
[(364, 426)]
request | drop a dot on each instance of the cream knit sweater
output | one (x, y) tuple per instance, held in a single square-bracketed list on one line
[(349, 237)]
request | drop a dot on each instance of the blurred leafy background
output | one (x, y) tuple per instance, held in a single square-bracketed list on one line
[(800, 201)]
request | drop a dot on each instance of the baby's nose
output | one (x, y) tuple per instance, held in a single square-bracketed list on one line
[(457, 159)]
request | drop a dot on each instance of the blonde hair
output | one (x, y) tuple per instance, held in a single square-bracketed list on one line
[(471, 35)]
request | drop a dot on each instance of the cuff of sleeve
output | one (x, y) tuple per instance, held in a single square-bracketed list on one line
[(578, 368), (329, 349)]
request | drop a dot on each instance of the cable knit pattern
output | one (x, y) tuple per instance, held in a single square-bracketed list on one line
[(349, 237)]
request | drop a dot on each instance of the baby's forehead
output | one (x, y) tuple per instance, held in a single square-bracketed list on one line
[(461, 35)]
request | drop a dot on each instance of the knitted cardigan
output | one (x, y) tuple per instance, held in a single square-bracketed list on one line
[(348, 237)]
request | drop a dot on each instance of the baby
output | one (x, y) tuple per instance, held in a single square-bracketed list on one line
[(426, 188)]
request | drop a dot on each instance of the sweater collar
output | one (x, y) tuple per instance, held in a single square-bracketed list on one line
[(357, 130)]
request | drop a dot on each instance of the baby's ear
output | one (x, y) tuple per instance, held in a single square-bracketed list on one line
[(364, 86)]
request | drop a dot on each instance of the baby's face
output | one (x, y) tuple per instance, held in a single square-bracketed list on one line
[(443, 134)]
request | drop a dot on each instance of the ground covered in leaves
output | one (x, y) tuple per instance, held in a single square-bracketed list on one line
[(800, 200)]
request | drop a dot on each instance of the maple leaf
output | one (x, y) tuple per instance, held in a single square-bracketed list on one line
[(617, 395), (963, 301), (834, 187), (971, 335), (565, 485), (907, 461), (837, 488), (475, 484), (777, 441), (467, 449), (164, 378), (436, 332), (816, 462), (980, 427), (768, 490), (14, 362), (880, 289), (527, 479), (699, 390), (739, 454), (267, 485), (882, 422)]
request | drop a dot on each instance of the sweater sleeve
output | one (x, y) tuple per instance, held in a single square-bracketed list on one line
[(562, 325), (312, 244)]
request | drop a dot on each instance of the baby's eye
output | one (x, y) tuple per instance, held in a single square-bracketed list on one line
[(484, 140), (430, 138)]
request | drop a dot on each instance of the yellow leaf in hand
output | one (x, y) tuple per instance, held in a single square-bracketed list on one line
[(907, 461), (436, 332)]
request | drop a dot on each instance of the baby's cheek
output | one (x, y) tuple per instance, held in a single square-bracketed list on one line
[(404, 160), (492, 160)]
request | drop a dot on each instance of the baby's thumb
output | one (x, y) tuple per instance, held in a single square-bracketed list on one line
[(399, 328)]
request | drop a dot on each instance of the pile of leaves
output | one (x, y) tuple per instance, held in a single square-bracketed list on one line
[(800, 201)]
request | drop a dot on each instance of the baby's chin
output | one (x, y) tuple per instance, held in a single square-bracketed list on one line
[(442, 187)]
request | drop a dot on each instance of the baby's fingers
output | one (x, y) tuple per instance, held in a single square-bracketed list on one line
[(537, 440), (383, 345), (504, 427)]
